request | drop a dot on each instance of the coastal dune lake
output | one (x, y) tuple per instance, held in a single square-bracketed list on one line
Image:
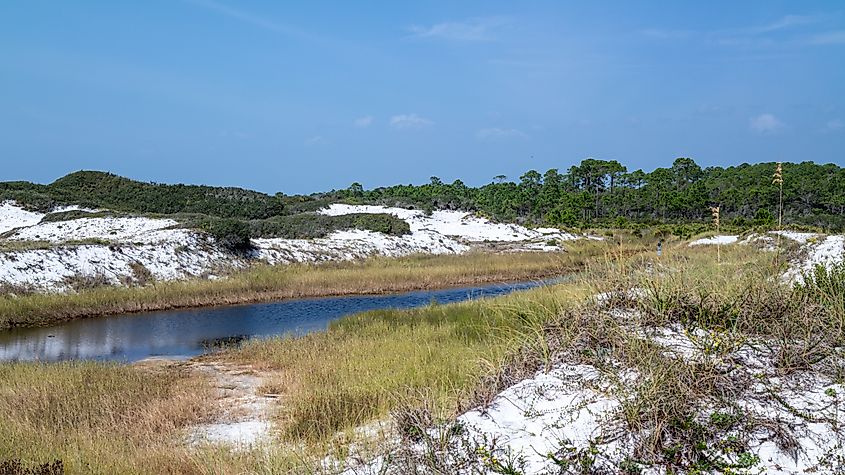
[(187, 333)]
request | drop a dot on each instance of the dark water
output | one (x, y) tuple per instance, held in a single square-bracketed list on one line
[(185, 333)]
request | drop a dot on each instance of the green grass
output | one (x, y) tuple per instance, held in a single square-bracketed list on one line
[(367, 365), (445, 359), (267, 283), (370, 364)]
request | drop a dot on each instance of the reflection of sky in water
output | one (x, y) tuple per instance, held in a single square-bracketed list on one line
[(184, 332)]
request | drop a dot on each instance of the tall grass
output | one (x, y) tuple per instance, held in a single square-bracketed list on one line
[(99, 418), (826, 285), (265, 283), (679, 412), (367, 365), (443, 358)]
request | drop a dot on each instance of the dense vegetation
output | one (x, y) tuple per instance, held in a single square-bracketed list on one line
[(592, 193), (236, 233), (105, 190), (605, 193), (231, 215), (307, 225)]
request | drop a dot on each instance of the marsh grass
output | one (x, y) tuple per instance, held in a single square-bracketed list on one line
[(368, 365), (267, 283), (99, 418), (425, 365)]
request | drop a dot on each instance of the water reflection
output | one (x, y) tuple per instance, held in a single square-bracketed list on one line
[(186, 333)]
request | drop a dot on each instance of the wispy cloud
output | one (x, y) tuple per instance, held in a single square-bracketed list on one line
[(476, 29), (496, 133), (784, 23), (363, 122), (409, 121), (765, 124), (786, 29), (248, 17), (836, 37), (315, 141), (834, 125)]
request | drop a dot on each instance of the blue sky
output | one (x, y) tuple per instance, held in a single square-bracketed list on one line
[(307, 96)]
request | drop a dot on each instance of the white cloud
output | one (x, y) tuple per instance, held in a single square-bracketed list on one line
[(316, 141), (478, 29), (786, 22), (363, 122), (409, 121), (834, 125), (496, 133), (827, 38), (765, 123)]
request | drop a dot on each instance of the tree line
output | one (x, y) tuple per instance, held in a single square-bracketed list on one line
[(605, 193), (592, 193)]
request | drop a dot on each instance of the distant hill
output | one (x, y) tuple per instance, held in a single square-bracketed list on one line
[(105, 190)]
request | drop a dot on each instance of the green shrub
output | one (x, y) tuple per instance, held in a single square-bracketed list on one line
[(106, 190), (826, 285), (233, 234), (76, 214), (312, 225)]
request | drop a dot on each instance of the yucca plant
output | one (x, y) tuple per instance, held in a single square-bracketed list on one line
[(714, 211), (777, 179)]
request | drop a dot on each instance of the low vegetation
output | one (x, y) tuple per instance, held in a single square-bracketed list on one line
[(105, 190), (78, 214), (235, 234), (267, 283), (414, 370), (99, 418), (309, 225)]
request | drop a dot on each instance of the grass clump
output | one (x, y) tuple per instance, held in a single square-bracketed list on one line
[(99, 418), (826, 286), (678, 409)]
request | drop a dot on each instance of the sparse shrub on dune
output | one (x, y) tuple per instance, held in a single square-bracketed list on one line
[(84, 282), (826, 285), (230, 233)]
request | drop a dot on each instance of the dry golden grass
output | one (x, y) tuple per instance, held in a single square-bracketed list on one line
[(268, 283), (100, 418)]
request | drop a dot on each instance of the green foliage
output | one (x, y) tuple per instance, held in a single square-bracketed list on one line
[(599, 193), (75, 214), (763, 217), (594, 193), (231, 233), (826, 285), (312, 225), (105, 190)]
